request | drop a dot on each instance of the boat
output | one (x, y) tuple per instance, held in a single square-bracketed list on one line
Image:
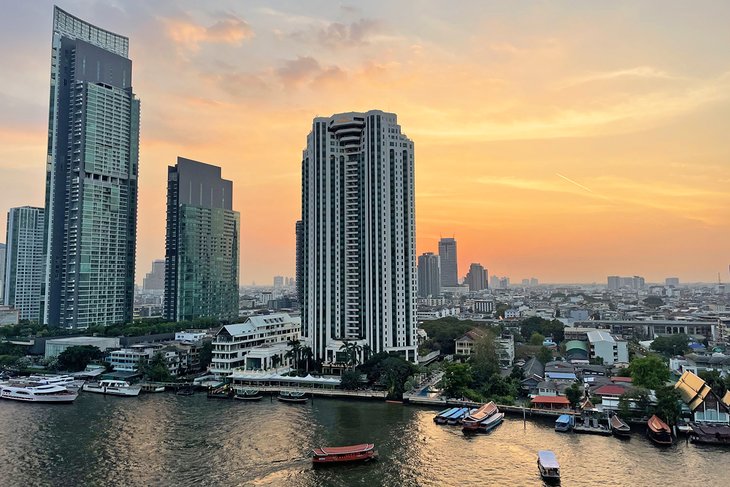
[(564, 422), (491, 422), (223, 392), (658, 431), (591, 426), (185, 391), (67, 381), (248, 395), (458, 416), (452, 412), (113, 387), (712, 434), (440, 418), (50, 393), (619, 427), (292, 396), (473, 420), (340, 454), (548, 466), (152, 388)]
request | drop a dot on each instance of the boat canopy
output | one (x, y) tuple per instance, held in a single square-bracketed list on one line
[(564, 418), (309, 379), (547, 459)]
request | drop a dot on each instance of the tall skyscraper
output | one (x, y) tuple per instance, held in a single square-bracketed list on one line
[(201, 246), (155, 280), (358, 235), (476, 278), (24, 262), (449, 266), (91, 177), (299, 258), (429, 275), (2, 272)]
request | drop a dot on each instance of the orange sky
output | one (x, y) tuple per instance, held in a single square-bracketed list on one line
[(565, 143)]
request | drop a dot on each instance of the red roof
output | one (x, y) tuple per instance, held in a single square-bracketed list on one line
[(620, 379), (550, 400), (609, 390)]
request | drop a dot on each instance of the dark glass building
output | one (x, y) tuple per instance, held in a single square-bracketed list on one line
[(91, 177), (201, 247)]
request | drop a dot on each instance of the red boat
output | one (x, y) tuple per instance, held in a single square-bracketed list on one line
[(658, 431), (473, 421), (339, 454)]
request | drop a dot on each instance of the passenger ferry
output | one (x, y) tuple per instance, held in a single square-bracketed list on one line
[(113, 387), (293, 396), (548, 466), (355, 453), (38, 393)]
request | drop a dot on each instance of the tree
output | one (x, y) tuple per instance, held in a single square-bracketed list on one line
[(715, 381), (307, 355), (544, 355), (484, 359), (671, 344), (353, 350), (442, 333), (536, 339), (350, 380), (393, 373), (206, 354), (295, 348), (639, 397), (76, 358), (668, 407), (573, 394), (653, 301), (650, 372), (456, 379)]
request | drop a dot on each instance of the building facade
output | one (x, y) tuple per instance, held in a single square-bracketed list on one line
[(2, 272), (23, 263), (476, 278), (201, 245), (91, 177), (358, 235), (449, 265), (155, 279), (603, 345), (429, 275)]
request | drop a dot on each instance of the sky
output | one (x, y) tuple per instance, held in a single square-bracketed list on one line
[(566, 141)]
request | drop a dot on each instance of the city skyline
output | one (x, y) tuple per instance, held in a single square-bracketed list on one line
[(570, 167)]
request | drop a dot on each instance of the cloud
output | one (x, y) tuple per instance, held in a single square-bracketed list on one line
[(639, 72), (306, 69), (230, 30)]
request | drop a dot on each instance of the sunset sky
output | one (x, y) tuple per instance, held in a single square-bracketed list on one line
[(560, 140)]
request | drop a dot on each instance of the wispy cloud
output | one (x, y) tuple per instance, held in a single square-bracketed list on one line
[(190, 35)]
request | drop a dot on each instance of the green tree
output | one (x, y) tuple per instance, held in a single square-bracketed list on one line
[(484, 359), (295, 348), (573, 394), (443, 333), (639, 397), (671, 344), (308, 356), (456, 380), (544, 355), (76, 358), (715, 381), (156, 369), (206, 354), (350, 380), (353, 350), (668, 406), (394, 371), (536, 339), (653, 301), (650, 372)]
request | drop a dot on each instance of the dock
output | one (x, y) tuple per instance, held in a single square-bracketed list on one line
[(440, 402)]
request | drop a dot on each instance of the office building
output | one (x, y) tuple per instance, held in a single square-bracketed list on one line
[(604, 346), (449, 265), (155, 279), (201, 246), (91, 177), (2, 272), (634, 283), (278, 281), (476, 278), (358, 235), (671, 281), (299, 257), (429, 275), (24, 262)]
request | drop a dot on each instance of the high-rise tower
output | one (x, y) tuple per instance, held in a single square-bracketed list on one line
[(91, 177), (449, 267), (358, 235), (201, 245), (24, 262), (429, 275)]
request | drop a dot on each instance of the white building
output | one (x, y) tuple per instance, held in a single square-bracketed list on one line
[(232, 343), (129, 359), (24, 261), (189, 336), (56, 346), (358, 235), (602, 344)]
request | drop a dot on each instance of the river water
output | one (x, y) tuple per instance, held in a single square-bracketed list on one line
[(164, 439)]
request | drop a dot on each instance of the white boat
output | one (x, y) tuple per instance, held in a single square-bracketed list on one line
[(113, 387), (38, 393), (548, 466)]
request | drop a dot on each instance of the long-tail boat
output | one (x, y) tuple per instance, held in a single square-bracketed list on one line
[(340, 454), (491, 422), (619, 427), (658, 431), (473, 420), (442, 417)]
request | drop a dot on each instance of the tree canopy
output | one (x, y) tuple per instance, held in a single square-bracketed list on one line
[(535, 324), (156, 369), (456, 380), (671, 344), (76, 358), (650, 372), (443, 332)]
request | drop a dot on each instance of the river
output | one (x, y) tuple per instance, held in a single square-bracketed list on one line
[(164, 439)]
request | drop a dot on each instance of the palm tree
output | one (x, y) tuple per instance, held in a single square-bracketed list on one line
[(295, 349), (353, 350), (307, 354), (275, 361)]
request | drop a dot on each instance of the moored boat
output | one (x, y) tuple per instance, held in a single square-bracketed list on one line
[(592, 425), (440, 418), (713, 434), (113, 387), (47, 393), (491, 422), (619, 427), (658, 431), (548, 466), (185, 391), (292, 396), (152, 388), (458, 416), (473, 420), (564, 422), (248, 395), (341, 454)]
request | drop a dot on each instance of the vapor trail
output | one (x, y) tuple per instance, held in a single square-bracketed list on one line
[(571, 181)]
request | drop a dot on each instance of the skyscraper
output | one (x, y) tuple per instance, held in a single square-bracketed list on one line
[(24, 261), (358, 235), (155, 280), (91, 177), (449, 266), (429, 275), (201, 246), (2, 272), (299, 257), (476, 278)]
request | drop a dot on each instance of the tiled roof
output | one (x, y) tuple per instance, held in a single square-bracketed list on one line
[(550, 400), (692, 389), (609, 390)]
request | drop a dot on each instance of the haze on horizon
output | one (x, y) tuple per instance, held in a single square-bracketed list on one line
[(563, 142)]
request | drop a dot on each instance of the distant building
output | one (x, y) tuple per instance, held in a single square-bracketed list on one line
[(449, 264), (525, 282), (483, 306), (155, 280), (603, 345), (429, 275), (278, 281), (2, 272), (533, 281), (202, 244), (24, 260), (671, 281), (476, 278), (9, 315), (494, 282), (56, 346), (465, 344), (298, 229), (635, 282)]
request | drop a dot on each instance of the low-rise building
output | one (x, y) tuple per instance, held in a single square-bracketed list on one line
[(705, 405), (603, 345), (55, 347)]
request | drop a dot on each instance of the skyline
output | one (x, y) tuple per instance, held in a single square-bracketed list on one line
[(248, 81)]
